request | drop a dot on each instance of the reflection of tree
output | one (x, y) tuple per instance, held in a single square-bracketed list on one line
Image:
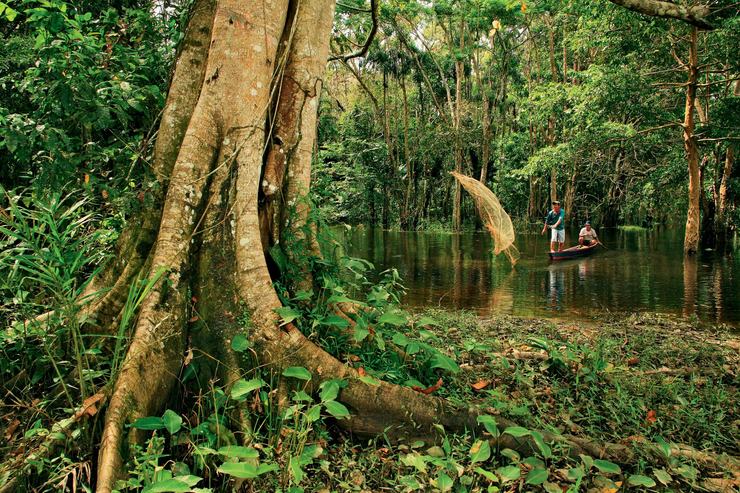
[(502, 296), (556, 286), (690, 273), (457, 266), (717, 272)]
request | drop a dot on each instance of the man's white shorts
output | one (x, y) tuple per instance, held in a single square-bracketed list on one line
[(558, 235)]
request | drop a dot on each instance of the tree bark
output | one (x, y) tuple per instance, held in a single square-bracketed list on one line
[(691, 238), (694, 15)]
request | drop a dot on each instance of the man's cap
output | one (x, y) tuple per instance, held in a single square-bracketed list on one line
[(555, 202), (588, 223)]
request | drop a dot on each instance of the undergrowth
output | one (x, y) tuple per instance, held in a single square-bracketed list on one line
[(603, 380)]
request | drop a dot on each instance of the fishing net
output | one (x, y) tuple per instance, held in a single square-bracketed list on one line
[(495, 218)]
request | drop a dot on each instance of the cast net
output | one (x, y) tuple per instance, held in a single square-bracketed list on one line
[(494, 217)]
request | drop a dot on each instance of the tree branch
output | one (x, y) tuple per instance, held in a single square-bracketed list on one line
[(374, 14), (694, 15)]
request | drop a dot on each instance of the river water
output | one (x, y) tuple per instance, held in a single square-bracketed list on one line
[(640, 271)]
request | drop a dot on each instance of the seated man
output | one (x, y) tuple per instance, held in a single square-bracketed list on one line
[(587, 235)]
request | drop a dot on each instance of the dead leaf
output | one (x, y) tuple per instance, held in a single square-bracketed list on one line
[(188, 357), (105, 194), (633, 361), (429, 390), (361, 371), (11, 429), (480, 384), (194, 318), (89, 407), (651, 417), (87, 178)]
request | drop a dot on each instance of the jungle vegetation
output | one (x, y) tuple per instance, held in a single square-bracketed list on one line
[(177, 317)]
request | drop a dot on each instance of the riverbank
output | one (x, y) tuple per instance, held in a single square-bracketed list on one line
[(646, 382)]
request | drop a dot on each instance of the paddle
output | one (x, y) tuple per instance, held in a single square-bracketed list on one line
[(605, 248)]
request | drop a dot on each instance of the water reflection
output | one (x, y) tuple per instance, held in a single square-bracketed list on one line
[(640, 271)]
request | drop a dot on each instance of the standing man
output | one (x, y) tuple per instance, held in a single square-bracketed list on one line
[(555, 220), (587, 235)]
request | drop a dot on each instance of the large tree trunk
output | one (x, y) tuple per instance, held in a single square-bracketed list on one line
[(210, 241), (691, 239)]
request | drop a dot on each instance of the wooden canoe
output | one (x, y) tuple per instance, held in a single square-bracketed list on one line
[(573, 252)]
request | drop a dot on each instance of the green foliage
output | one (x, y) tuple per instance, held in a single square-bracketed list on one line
[(81, 88)]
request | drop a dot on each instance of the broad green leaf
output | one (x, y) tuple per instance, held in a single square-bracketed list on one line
[(415, 460), (172, 421), (400, 339), (340, 298), (409, 482), (663, 476), (639, 480), (242, 387), (294, 466), (336, 409), (173, 485), (303, 295), (540, 441), (509, 473), (444, 482), (687, 472), (394, 318), (149, 423), (517, 431), (551, 487), (244, 470), (329, 390), (367, 379), (302, 396), (665, 448), (424, 321), (480, 451), (487, 474), (435, 451), (360, 333), (537, 476), (379, 341), (297, 372), (489, 423), (335, 321), (240, 452), (239, 343), (439, 360), (576, 473), (314, 413), (607, 467), (287, 314)]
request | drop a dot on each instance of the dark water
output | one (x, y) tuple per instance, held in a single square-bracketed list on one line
[(640, 271)]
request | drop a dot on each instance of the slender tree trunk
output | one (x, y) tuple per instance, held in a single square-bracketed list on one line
[(691, 238), (722, 228), (551, 119), (389, 149), (407, 209), (456, 198)]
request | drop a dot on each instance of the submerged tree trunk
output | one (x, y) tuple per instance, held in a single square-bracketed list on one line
[(691, 238)]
